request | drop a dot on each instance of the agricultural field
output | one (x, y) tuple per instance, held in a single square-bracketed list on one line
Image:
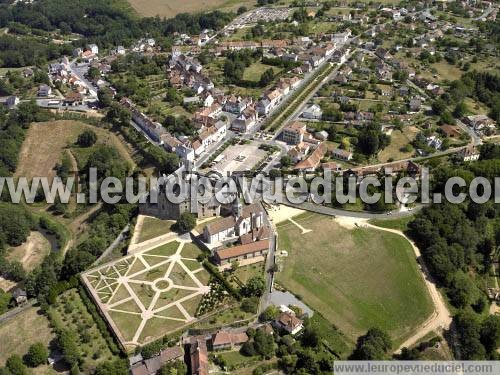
[(69, 312), (151, 293), (356, 278), (169, 8), (29, 327)]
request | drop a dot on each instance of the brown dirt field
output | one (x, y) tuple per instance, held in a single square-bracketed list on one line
[(169, 8), (22, 331), (45, 142), (32, 252)]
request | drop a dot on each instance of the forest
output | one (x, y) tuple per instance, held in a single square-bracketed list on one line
[(458, 243)]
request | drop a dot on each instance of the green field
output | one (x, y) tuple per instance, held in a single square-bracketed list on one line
[(152, 227), (398, 224), (255, 71), (356, 279)]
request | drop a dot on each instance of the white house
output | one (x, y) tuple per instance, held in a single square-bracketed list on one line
[(44, 90), (313, 112), (93, 48)]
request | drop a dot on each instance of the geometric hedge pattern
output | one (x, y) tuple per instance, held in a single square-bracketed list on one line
[(148, 294)]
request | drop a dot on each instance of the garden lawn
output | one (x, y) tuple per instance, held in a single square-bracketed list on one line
[(356, 279), (255, 71), (152, 227)]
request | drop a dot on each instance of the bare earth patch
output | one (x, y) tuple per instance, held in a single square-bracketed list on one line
[(31, 253)]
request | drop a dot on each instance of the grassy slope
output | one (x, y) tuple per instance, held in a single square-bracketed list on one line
[(18, 334), (357, 279)]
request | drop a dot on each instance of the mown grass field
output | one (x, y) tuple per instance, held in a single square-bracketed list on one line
[(152, 227), (399, 139), (169, 8), (398, 224), (255, 71), (356, 279), (27, 328), (46, 142)]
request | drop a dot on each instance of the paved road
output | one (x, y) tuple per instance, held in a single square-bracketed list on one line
[(80, 70), (485, 14)]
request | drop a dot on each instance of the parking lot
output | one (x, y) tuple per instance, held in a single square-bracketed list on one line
[(239, 158)]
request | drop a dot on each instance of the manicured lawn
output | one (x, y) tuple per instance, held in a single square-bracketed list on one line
[(152, 227), (27, 328), (190, 250), (244, 273), (254, 71), (155, 279), (356, 279), (227, 316)]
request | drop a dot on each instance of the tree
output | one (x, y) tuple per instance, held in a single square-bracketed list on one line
[(468, 331), (266, 77), (5, 299), (105, 97), (87, 138), (16, 366), (254, 287), (286, 161), (241, 10), (250, 305), (263, 343), (247, 349), (174, 368), (75, 262), (372, 346), (460, 110), (93, 73), (37, 355), (67, 342), (270, 313), (116, 367), (490, 333), (186, 222)]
